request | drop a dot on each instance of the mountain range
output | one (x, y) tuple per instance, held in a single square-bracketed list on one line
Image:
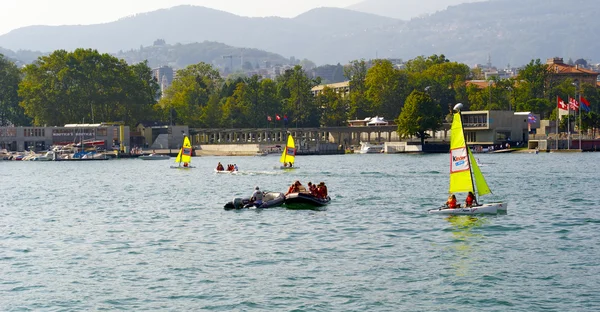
[(405, 9), (509, 31)]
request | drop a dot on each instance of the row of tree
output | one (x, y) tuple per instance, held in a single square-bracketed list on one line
[(86, 86)]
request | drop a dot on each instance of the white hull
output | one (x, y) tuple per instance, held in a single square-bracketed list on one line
[(225, 171), (493, 208), (288, 167), (182, 167), (154, 157)]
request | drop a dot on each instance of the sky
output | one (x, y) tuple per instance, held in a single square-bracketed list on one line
[(19, 13)]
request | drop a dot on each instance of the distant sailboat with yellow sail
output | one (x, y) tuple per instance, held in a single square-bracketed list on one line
[(289, 154), (184, 157), (465, 175)]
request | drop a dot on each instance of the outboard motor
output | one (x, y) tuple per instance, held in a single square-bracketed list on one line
[(238, 203)]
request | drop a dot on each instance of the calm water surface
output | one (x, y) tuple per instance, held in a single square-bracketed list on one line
[(136, 235)]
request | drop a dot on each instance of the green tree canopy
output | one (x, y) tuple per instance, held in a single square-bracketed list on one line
[(10, 111), (84, 85), (189, 95), (420, 113)]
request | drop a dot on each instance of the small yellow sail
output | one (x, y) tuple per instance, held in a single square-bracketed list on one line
[(460, 170), (480, 183), (185, 153), (289, 152)]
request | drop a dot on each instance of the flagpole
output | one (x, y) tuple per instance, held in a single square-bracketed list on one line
[(569, 125), (578, 93), (557, 119)]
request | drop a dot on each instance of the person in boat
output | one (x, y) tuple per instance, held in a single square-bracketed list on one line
[(322, 190), (235, 167), (470, 200), (451, 202), (257, 197), (285, 164), (294, 188), (291, 165), (220, 167), (312, 188), (185, 164)]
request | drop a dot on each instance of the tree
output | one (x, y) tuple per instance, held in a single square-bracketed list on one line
[(295, 90), (384, 88), (420, 113), (84, 85), (359, 106), (334, 108), (10, 111), (189, 94)]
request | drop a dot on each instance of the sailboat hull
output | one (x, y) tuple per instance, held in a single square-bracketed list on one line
[(493, 208)]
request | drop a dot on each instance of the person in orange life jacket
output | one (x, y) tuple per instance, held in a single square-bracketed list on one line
[(451, 202), (294, 188), (322, 190), (470, 200), (312, 188)]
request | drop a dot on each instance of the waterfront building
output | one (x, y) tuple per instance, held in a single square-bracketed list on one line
[(19, 139)]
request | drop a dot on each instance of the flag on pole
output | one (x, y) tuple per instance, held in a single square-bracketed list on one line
[(586, 104), (573, 104), (277, 117), (531, 118), (285, 118), (561, 104), (269, 118)]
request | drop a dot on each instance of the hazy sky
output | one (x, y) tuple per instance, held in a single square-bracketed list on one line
[(19, 13)]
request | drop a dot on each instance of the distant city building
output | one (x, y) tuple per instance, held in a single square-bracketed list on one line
[(164, 76), (342, 88)]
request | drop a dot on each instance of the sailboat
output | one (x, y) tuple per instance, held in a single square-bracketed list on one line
[(288, 155), (465, 175), (184, 157)]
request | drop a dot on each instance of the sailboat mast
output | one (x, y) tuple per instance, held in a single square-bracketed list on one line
[(467, 147)]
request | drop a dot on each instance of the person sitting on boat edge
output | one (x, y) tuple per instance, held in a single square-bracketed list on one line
[(451, 202), (220, 167), (257, 197), (470, 200), (322, 190)]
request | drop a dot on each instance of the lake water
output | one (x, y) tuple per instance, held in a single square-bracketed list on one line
[(136, 235)]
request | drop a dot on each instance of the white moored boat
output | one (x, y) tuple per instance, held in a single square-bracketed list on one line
[(465, 175), (368, 148)]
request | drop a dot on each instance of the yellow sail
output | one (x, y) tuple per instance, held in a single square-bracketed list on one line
[(185, 153), (460, 170), (289, 151), (480, 183)]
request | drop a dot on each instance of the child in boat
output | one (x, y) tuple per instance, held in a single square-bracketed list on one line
[(470, 200), (451, 202)]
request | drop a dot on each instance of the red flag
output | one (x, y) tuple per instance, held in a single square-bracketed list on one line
[(269, 118), (573, 104), (561, 104), (277, 117)]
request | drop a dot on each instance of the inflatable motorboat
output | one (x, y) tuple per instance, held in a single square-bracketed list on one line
[(305, 201), (270, 200)]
